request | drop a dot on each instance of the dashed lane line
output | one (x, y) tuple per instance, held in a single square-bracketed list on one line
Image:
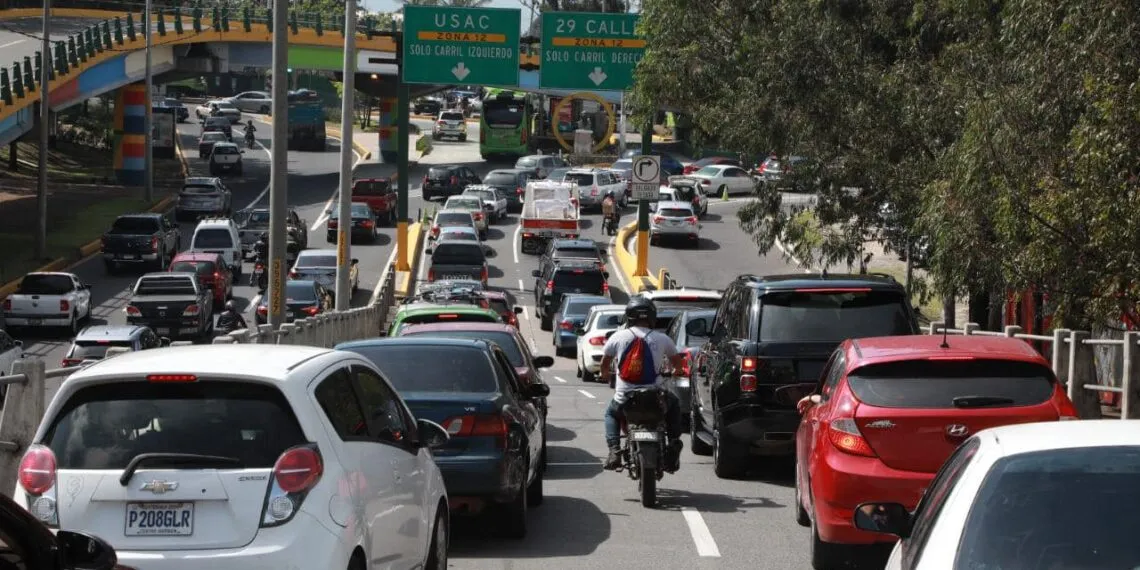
[(706, 546), (587, 394), (560, 379)]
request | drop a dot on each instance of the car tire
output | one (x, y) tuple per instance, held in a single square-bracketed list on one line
[(588, 376), (726, 464), (513, 515), (73, 326), (802, 517), (534, 491), (440, 539), (697, 444), (264, 110)]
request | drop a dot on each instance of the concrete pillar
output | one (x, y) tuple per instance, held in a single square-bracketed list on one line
[(387, 128), (130, 134)]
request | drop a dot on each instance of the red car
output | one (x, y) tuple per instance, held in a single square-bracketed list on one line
[(212, 270), (501, 303), (888, 411)]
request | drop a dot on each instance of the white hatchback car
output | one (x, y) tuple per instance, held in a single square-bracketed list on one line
[(600, 320), (240, 456)]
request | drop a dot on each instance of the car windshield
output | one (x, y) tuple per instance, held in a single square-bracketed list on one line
[(460, 253), (500, 179), (711, 171), (316, 261), (624, 164), (300, 291), (675, 212), (451, 117), (200, 267), (225, 149), (105, 426), (159, 285), (579, 307), (833, 315), (135, 225), (582, 179), (433, 368), (608, 321), (507, 341), (1063, 508), (213, 136), (943, 385), (371, 187), (526, 162), (199, 189), (95, 349), (454, 219), (213, 237), (45, 284), (485, 195)]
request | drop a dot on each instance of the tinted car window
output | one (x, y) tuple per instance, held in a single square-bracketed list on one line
[(582, 306), (341, 405), (687, 303), (451, 117), (454, 219), (96, 349), (461, 253), (199, 267), (42, 284), (426, 368), (226, 150), (213, 237), (440, 173), (370, 187), (500, 179), (1064, 508), (300, 291), (675, 212), (200, 189), (580, 179), (105, 426), (587, 252), (505, 340), (587, 281), (825, 316), (134, 225), (499, 305), (502, 115), (317, 261), (952, 383)]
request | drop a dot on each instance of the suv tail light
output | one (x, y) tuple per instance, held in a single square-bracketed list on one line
[(482, 425), (482, 135), (484, 275), (566, 325), (37, 475), (1065, 408), (748, 367), (594, 191), (550, 286), (431, 274), (605, 288), (191, 311), (425, 180), (692, 220), (64, 306), (133, 311), (311, 311), (296, 472), (333, 224), (684, 371), (71, 362), (154, 244), (366, 223), (263, 310), (442, 123), (519, 191), (454, 180), (478, 216), (658, 219)]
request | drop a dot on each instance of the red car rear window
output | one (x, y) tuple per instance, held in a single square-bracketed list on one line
[(952, 384)]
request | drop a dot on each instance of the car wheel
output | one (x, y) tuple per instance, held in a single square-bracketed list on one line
[(440, 537), (534, 492), (512, 515), (802, 517), (73, 326), (588, 376), (264, 110), (825, 555), (726, 464)]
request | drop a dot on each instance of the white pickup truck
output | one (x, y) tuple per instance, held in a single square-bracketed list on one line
[(550, 210), (49, 300)]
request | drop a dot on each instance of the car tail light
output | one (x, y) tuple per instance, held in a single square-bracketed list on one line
[(454, 180), (367, 223), (333, 224), (519, 191), (133, 311), (598, 341), (7, 304), (435, 230), (64, 306), (263, 310), (71, 362), (295, 473), (605, 288), (171, 378), (425, 180), (684, 371), (294, 275), (845, 436), (1065, 408), (37, 475), (191, 311), (258, 266), (484, 274), (478, 216), (748, 367), (481, 425), (550, 286), (658, 219), (524, 136), (442, 123), (692, 220), (431, 274), (154, 244), (566, 325), (594, 191), (311, 311)]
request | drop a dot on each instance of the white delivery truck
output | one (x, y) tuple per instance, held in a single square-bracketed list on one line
[(550, 210)]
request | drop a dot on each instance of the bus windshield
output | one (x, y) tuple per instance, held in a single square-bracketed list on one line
[(503, 114)]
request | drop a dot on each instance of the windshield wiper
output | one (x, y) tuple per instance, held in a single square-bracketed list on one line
[(981, 401), (177, 458)]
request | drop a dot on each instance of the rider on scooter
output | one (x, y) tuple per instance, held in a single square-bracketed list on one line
[(640, 316), (610, 214), (249, 130), (230, 320)]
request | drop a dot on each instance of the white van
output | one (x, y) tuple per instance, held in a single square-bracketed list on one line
[(219, 235)]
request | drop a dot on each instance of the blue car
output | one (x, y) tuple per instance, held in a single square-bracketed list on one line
[(570, 317), (494, 458)]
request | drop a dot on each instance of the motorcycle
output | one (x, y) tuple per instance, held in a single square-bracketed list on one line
[(259, 276), (249, 139), (610, 224), (643, 453), (223, 329)]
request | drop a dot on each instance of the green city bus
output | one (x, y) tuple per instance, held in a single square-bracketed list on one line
[(504, 124)]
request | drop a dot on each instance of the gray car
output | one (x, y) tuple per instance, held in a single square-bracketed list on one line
[(320, 265), (570, 317), (457, 259), (93, 342), (689, 331)]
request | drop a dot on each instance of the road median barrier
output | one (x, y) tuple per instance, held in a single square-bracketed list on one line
[(626, 261), (406, 280)]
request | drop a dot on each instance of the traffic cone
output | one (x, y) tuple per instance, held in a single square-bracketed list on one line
[(724, 194)]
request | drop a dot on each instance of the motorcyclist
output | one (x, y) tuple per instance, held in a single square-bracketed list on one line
[(231, 320), (640, 316), (261, 248), (609, 209), (249, 130)]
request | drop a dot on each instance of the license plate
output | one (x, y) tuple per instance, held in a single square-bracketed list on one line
[(456, 276), (35, 322), (159, 519), (161, 331), (129, 256), (644, 436), (546, 234)]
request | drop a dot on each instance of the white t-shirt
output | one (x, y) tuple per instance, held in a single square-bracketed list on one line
[(660, 345)]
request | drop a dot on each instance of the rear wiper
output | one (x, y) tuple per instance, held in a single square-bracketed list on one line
[(178, 458), (981, 401)]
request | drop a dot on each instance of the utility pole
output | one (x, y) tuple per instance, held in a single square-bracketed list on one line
[(45, 126), (148, 124), (401, 166), (279, 167), (344, 204), (643, 206)]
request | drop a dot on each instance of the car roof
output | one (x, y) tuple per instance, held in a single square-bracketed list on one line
[(790, 281), (515, 171), (422, 340), (109, 332), (49, 273), (864, 351), (314, 252), (224, 144), (466, 327), (607, 308), (1045, 436), (272, 361), (200, 180), (419, 307)]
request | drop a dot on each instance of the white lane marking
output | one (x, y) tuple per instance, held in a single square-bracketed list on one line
[(706, 546), (380, 285), (12, 43), (269, 184), (526, 315), (587, 394), (792, 256), (328, 205), (521, 289), (515, 245), (560, 379)]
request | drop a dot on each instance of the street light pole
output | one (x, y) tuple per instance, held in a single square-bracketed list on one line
[(45, 126), (148, 124), (279, 167), (344, 204)]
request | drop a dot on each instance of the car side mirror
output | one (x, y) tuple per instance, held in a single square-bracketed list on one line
[(543, 361), (85, 552), (537, 390), (518, 310), (535, 273), (163, 341), (885, 518), (431, 434)]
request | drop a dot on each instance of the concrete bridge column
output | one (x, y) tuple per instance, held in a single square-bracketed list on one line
[(389, 152), (131, 106)]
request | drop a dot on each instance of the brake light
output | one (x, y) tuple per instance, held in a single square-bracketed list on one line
[(478, 216), (598, 341), (298, 469), (594, 191), (482, 425), (691, 220), (447, 316), (425, 180), (171, 378), (333, 224), (845, 436), (1065, 408), (482, 135), (367, 223), (154, 244), (605, 288), (835, 290), (435, 230), (566, 325), (658, 219), (454, 180), (7, 304), (311, 311), (294, 275), (748, 366), (684, 363), (37, 470), (442, 123), (191, 311), (431, 274), (64, 306), (550, 286), (263, 310), (519, 191), (484, 274), (133, 311)]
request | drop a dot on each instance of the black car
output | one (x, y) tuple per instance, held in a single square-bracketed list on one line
[(555, 280), (427, 106), (25, 542), (218, 124), (470, 387), (767, 346), (172, 304), (141, 239), (448, 180), (363, 224), (512, 182), (303, 299)]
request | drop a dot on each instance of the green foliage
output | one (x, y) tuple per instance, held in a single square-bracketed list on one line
[(1007, 130)]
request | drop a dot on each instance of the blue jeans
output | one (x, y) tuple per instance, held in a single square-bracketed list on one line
[(672, 420)]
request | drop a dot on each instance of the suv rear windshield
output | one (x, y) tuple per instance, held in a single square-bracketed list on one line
[(575, 252), (451, 117), (454, 219), (427, 368), (833, 315), (199, 267), (585, 280), (322, 261), (674, 212), (135, 225), (458, 253), (213, 237), (371, 187), (84, 349), (440, 173), (199, 189), (105, 426), (42, 284), (226, 150), (580, 178), (952, 384)]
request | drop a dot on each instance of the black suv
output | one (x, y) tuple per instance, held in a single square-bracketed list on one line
[(448, 180), (563, 250), (555, 280), (769, 341), (512, 182)]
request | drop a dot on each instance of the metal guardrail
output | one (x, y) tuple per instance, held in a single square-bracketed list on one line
[(1074, 355)]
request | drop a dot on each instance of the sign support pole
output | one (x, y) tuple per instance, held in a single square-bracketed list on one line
[(45, 139), (402, 167), (344, 204), (279, 167), (643, 208)]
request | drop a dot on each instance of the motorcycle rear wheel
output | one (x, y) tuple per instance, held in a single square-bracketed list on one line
[(647, 484)]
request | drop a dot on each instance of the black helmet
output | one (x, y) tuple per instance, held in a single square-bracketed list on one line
[(640, 309)]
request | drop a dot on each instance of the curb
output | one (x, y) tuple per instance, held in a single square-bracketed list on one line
[(85, 251), (627, 262), (405, 280)]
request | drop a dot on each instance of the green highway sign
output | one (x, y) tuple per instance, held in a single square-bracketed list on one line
[(466, 46), (589, 51)]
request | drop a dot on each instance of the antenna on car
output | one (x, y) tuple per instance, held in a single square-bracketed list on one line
[(945, 337)]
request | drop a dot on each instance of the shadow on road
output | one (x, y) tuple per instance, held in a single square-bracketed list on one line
[(557, 434), (547, 535), (675, 500)]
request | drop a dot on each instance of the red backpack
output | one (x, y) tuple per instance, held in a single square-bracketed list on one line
[(635, 366)]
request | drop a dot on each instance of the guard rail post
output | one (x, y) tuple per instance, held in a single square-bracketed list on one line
[(1081, 363), (1130, 387), (265, 335), (1010, 331), (298, 333), (309, 336), (285, 334), (240, 336), (20, 417), (970, 328), (340, 328), (1061, 356)]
